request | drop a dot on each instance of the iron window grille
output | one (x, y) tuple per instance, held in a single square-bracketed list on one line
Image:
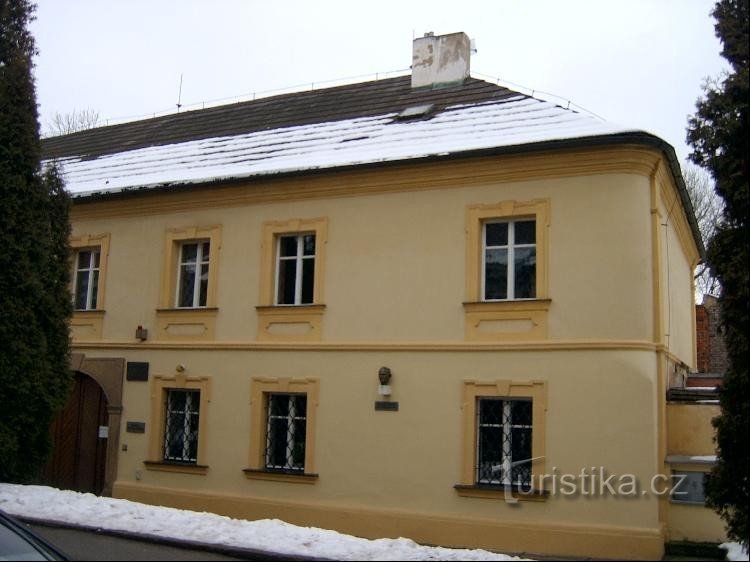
[(509, 260), (192, 274), (286, 432), (181, 428), (295, 269), (86, 279), (504, 432)]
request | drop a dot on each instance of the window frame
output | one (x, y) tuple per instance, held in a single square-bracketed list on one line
[(477, 216), (272, 232), (506, 428), (161, 386), (89, 242), (92, 271), (524, 319), (675, 497), (200, 261), (299, 274), (260, 388), (188, 414), (291, 440), (511, 248), (173, 242), (534, 391)]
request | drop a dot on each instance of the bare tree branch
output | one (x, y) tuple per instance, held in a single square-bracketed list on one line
[(708, 208), (64, 124)]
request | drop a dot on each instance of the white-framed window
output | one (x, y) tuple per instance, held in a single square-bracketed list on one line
[(509, 260), (181, 425), (503, 447), (689, 486), (86, 288), (295, 269), (192, 274), (286, 432)]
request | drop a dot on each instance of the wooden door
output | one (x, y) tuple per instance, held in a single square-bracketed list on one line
[(79, 447)]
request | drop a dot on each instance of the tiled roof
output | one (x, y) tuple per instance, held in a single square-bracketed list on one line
[(321, 129)]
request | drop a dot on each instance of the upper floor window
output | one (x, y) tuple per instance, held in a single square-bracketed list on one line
[(509, 258), (86, 290), (193, 274), (181, 425), (295, 269)]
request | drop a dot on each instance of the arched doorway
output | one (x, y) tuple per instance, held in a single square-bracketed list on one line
[(79, 440)]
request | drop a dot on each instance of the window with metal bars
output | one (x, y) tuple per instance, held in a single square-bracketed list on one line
[(181, 428), (504, 431), (286, 432), (86, 279), (295, 269)]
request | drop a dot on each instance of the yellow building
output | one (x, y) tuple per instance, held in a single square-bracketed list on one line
[(423, 306)]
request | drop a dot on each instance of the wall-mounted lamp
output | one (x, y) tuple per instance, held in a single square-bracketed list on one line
[(141, 333), (180, 368), (384, 375)]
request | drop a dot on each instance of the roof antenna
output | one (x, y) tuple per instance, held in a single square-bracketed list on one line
[(179, 95)]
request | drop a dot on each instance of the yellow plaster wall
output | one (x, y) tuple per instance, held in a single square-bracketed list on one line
[(690, 429), (394, 289), (406, 252), (409, 461)]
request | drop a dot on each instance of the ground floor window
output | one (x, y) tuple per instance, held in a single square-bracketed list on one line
[(181, 428), (504, 435), (286, 431)]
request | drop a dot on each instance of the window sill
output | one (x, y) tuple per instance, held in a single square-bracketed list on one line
[(516, 320), (184, 468), (508, 305), (186, 324), (271, 476), (500, 493), (87, 325), (288, 322)]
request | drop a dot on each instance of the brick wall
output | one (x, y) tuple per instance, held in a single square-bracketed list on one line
[(712, 355)]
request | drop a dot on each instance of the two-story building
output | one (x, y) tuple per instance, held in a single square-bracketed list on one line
[(422, 306)]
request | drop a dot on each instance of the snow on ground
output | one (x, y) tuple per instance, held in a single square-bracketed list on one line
[(735, 551), (74, 508)]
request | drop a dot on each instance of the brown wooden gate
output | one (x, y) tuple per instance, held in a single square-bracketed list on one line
[(79, 450)]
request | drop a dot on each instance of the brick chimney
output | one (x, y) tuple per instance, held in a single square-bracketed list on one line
[(441, 60)]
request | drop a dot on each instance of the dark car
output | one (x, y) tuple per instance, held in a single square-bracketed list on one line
[(17, 542)]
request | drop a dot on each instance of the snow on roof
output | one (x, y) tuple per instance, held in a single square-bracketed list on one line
[(512, 121)]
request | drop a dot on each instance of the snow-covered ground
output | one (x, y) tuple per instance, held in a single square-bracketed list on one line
[(63, 506), (68, 507)]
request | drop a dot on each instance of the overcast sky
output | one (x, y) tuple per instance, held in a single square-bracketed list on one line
[(639, 63)]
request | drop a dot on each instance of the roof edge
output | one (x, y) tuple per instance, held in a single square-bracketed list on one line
[(642, 138)]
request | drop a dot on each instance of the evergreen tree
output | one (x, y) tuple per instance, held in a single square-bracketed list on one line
[(34, 299), (720, 138)]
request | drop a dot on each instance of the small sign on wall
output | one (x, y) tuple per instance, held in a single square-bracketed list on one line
[(383, 406), (103, 432)]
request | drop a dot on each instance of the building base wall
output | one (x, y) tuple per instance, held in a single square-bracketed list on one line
[(449, 531)]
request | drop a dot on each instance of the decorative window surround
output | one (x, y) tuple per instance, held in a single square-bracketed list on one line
[(87, 323), (536, 392), (161, 386), (291, 322), (260, 388), (195, 323), (509, 319)]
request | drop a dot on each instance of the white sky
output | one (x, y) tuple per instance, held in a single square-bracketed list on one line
[(639, 63)]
